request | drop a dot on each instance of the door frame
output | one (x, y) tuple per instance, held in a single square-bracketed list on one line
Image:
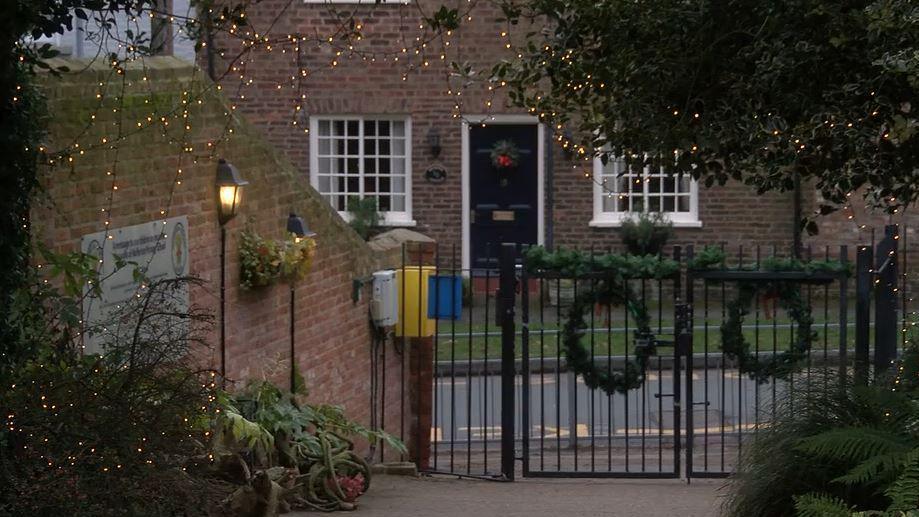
[(506, 119)]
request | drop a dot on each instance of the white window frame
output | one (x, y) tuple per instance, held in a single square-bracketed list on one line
[(388, 218), (604, 219)]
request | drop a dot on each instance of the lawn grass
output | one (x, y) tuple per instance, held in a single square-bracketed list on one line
[(463, 342)]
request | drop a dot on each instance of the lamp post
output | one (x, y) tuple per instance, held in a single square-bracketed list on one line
[(297, 227), (229, 196)]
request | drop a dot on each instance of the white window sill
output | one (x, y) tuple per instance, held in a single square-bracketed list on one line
[(617, 223), (395, 221), (399, 222)]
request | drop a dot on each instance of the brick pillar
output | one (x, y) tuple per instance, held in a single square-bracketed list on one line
[(422, 399), (421, 371)]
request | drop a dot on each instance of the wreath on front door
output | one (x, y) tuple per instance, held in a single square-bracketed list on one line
[(505, 155)]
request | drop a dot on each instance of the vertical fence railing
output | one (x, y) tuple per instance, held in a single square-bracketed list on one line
[(725, 405), (500, 388), (570, 430)]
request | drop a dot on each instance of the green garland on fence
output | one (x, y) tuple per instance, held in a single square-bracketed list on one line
[(612, 289), (734, 344)]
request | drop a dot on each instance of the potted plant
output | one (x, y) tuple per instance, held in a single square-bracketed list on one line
[(647, 234)]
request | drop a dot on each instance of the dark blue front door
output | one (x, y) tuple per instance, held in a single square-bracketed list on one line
[(503, 201)]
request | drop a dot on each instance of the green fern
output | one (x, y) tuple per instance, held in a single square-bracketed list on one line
[(854, 443), (821, 505), (904, 492), (877, 470)]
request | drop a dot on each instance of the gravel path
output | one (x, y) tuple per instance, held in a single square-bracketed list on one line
[(400, 496)]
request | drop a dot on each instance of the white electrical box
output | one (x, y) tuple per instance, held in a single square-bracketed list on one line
[(384, 303)]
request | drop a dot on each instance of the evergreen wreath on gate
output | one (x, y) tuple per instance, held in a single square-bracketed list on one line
[(609, 287), (734, 344)]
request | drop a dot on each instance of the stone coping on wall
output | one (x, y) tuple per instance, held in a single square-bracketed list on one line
[(388, 248)]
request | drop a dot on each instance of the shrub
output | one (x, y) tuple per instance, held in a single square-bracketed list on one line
[(365, 215), (836, 449), (647, 234), (105, 434)]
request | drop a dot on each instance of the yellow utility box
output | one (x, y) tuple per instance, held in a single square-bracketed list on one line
[(412, 284)]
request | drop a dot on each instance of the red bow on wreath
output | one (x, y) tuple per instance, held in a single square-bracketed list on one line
[(505, 155)]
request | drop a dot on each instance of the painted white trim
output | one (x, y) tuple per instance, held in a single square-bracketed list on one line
[(464, 179), (390, 218), (540, 175), (603, 219), (616, 223)]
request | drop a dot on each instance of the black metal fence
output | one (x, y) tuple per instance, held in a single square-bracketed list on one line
[(503, 401)]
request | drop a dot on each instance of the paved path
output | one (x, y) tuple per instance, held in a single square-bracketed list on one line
[(399, 496)]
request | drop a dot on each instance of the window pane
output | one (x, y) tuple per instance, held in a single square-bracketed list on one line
[(338, 128), (669, 204), (353, 128), (324, 184), (669, 184), (683, 203), (383, 126), (398, 147), (398, 166), (370, 184), (370, 146), (383, 204), (384, 147), (323, 128), (398, 184), (353, 166), (339, 146), (325, 146), (637, 204), (325, 166), (370, 165), (353, 146), (385, 166), (370, 128), (398, 203), (384, 184), (609, 203), (398, 128), (353, 185), (654, 203)]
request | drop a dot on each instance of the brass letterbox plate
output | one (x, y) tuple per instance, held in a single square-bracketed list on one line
[(502, 215)]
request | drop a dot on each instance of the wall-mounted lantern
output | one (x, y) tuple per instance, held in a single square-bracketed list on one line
[(298, 227), (434, 142), (229, 191)]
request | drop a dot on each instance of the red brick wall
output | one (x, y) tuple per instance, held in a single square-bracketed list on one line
[(731, 214), (332, 333)]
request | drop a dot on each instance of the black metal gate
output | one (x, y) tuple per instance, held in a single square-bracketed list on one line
[(506, 404), (570, 430)]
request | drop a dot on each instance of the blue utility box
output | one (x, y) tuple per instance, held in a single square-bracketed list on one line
[(445, 297)]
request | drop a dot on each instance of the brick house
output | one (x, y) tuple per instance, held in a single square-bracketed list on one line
[(387, 122)]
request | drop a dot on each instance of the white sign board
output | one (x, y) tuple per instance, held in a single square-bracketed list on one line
[(159, 251)]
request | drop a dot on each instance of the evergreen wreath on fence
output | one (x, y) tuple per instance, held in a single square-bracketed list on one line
[(734, 344), (607, 276), (611, 288)]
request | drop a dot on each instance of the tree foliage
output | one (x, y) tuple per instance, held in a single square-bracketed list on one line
[(755, 91)]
